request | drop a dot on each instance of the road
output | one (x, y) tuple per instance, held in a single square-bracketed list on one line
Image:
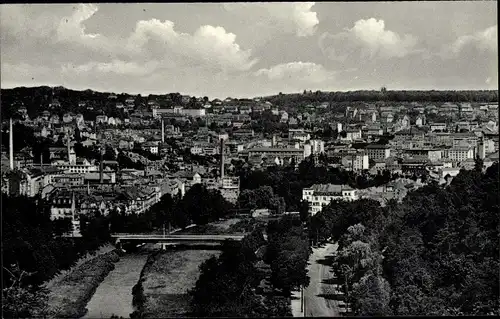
[(315, 304)]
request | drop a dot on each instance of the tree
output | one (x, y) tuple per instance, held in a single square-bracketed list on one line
[(62, 226), (478, 164), (19, 301), (304, 210), (203, 205), (371, 296)]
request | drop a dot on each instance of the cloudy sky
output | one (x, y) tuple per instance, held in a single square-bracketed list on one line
[(250, 49)]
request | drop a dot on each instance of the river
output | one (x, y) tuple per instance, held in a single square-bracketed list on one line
[(114, 294)]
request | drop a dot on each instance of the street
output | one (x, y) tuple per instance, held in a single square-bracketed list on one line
[(315, 304)]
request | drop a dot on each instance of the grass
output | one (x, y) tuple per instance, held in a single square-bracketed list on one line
[(70, 291), (87, 257), (162, 288)]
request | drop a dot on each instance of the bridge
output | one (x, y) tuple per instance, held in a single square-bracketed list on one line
[(176, 239)]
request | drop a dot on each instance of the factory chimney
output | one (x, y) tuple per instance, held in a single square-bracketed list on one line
[(101, 165), (69, 149), (221, 159), (162, 131), (11, 145)]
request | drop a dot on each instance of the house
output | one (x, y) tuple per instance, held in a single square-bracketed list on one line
[(438, 127), (245, 109), (284, 117), (372, 130), (101, 119), (272, 153), (420, 120), (293, 121), (377, 152), (356, 162), (231, 109), (193, 112), (320, 195), (258, 109), (151, 147), (351, 134), (459, 153), (314, 147)]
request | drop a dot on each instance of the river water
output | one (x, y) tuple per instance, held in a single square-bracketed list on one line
[(114, 294)]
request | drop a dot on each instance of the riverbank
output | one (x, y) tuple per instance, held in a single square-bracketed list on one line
[(70, 292), (162, 290)]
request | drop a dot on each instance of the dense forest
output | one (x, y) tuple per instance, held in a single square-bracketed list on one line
[(436, 253), (383, 95)]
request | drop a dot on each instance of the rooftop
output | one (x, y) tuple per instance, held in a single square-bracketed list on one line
[(329, 188)]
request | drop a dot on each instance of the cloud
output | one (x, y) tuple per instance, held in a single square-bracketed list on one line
[(116, 66), (288, 17), (484, 41), (297, 71), (208, 45), (368, 38)]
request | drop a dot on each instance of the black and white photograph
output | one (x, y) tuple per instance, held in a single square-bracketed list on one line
[(249, 159)]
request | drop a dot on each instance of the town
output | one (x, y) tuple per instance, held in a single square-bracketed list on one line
[(90, 154), (125, 152), (291, 159)]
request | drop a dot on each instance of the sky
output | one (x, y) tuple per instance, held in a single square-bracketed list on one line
[(241, 50)]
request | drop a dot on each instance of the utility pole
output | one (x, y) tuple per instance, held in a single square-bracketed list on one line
[(301, 299), (305, 308)]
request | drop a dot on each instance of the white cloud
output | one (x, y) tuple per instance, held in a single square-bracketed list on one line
[(297, 71), (370, 39), (115, 66), (485, 41), (211, 46), (289, 17)]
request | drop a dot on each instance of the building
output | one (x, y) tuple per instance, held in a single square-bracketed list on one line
[(356, 162), (438, 127), (80, 166), (193, 112), (351, 134), (377, 152), (151, 147), (459, 153), (272, 153), (320, 195)]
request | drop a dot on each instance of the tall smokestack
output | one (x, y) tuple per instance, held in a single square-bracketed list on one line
[(221, 159), (11, 145), (69, 149), (101, 165), (162, 131)]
